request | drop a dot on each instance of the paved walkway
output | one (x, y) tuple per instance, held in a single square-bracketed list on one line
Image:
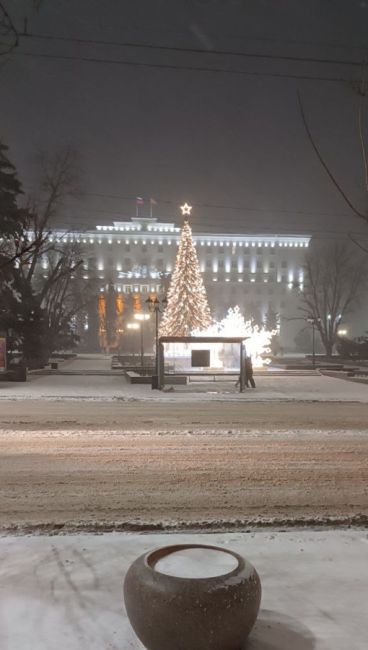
[(66, 592), (89, 362), (112, 387)]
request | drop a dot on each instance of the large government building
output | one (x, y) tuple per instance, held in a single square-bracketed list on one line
[(134, 259)]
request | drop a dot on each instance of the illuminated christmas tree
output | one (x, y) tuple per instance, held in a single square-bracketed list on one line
[(187, 306)]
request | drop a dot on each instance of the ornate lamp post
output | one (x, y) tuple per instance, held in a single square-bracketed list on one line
[(156, 307)]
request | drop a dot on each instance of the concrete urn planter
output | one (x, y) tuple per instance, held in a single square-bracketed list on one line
[(192, 597)]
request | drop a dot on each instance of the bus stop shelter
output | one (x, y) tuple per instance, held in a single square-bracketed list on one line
[(200, 339)]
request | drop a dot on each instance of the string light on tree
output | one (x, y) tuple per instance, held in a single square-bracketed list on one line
[(187, 306), (258, 339)]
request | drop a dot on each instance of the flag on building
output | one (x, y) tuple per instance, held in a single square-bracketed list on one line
[(138, 201), (152, 203)]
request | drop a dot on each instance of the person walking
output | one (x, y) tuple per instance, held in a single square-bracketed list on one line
[(249, 373)]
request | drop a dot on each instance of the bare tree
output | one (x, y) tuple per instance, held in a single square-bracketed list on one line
[(9, 32), (59, 180), (335, 282), (46, 286), (64, 292)]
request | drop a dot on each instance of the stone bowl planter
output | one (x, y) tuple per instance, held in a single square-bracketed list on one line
[(192, 597)]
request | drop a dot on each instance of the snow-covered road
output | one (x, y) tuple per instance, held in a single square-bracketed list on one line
[(179, 475)]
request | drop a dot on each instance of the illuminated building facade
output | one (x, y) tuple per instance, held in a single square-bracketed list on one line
[(134, 259)]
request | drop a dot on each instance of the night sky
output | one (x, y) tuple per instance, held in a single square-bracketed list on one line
[(235, 142)]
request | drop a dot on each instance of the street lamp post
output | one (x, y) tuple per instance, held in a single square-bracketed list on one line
[(313, 322), (141, 318), (156, 306), (133, 326)]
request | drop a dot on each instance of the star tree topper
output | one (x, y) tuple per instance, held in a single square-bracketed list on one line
[(186, 209)]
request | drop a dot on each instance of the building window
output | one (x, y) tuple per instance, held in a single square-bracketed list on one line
[(144, 248), (259, 265), (284, 264), (128, 262), (127, 248), (221, 264), (259, 250), (160, 248)]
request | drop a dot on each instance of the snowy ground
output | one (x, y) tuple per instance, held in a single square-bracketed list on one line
[(65, 592), (112, 388)]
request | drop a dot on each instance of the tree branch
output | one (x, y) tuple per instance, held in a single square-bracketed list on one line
[(359, 214), (362, 143), (8, 28), (357, 243)]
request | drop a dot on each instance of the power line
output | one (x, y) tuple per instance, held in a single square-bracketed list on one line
[(192, 50), (265, 211), (202, 229), (186, 68), (217, 206), (230, 225), (265, 39), (198, 205)]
